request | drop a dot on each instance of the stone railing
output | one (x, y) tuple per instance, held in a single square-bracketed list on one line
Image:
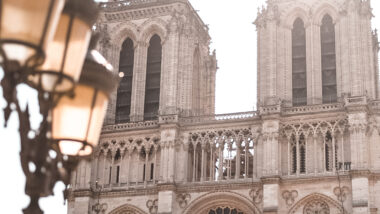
[(313, 108), (219, 117), (124, 3), (130, 126), (130, 3)]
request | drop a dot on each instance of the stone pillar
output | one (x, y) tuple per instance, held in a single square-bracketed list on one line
[(359, 146), (270, 142), (271, 195), (360, 191), (170, 49), (138, 82), (166, 199), (357, 121)]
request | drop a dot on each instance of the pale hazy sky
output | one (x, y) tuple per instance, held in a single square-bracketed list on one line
[(235, 89)]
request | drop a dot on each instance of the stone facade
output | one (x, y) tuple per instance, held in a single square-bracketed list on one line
[(319, 157)]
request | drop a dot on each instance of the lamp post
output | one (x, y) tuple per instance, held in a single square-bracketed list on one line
[(98, 207), (44, 44)]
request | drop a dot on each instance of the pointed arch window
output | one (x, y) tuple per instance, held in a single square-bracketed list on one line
[(153, 78), (329, 88), (123, 101), (299, 87)]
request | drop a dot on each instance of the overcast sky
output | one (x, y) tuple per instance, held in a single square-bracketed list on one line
[(234, 38)]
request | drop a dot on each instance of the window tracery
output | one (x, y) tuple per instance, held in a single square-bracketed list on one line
[(316, 207), (225, 210), (220, 155)]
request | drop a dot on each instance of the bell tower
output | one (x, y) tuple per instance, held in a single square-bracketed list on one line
[(163, 54), (316, 52)]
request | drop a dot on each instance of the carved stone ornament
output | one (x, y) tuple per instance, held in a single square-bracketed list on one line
[(341, 193), (152, 205), (257, 195), (316, 207), (289, 196), (183, 199)]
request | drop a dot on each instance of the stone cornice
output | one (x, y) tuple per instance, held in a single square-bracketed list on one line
[(226, 185)]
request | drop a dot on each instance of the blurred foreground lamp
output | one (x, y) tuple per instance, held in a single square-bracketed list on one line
[(26, 27), (77, 120), (66, 52)]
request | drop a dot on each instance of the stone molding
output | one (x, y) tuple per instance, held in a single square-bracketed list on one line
[(221, 198), (315, 197), (127, 209), (183, 199), (289, 196), (341, 193)]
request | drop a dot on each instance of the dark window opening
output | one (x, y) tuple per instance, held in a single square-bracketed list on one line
[(124, 92), (294, 160), (117, 174), (110, 175), (299, 63), (151, 171), (303, 159), (153, 79), (144, 173), (329, 86)]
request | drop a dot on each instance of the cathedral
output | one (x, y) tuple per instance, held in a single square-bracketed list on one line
[(312, 146)]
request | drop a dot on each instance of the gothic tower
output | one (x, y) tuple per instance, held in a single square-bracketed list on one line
[(162, 49), (312, 147)]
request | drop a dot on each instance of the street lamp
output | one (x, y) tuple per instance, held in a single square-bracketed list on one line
[(98, 207), (44, 44)]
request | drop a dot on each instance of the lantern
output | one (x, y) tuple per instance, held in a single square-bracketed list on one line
[(26, 27), (77, 121), (66, 52)]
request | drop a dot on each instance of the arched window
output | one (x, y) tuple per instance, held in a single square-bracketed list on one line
[(123, 102), (299, 63), (153, 76), (329, 90)]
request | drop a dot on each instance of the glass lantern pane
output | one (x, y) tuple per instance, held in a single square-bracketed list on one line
[(77, 34), (78, 120), (98, 114), (25, 21)]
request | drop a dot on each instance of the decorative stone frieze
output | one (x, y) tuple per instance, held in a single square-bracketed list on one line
[(289, 196), (183, 199), (341, 193), (256, 194), (152, 205)]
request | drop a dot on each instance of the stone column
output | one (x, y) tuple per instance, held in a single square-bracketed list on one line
[(270, 153), (220, 169), (238, 161), (271, 195), (138, 82), (357, 121), (203, 170), (170, 50)]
